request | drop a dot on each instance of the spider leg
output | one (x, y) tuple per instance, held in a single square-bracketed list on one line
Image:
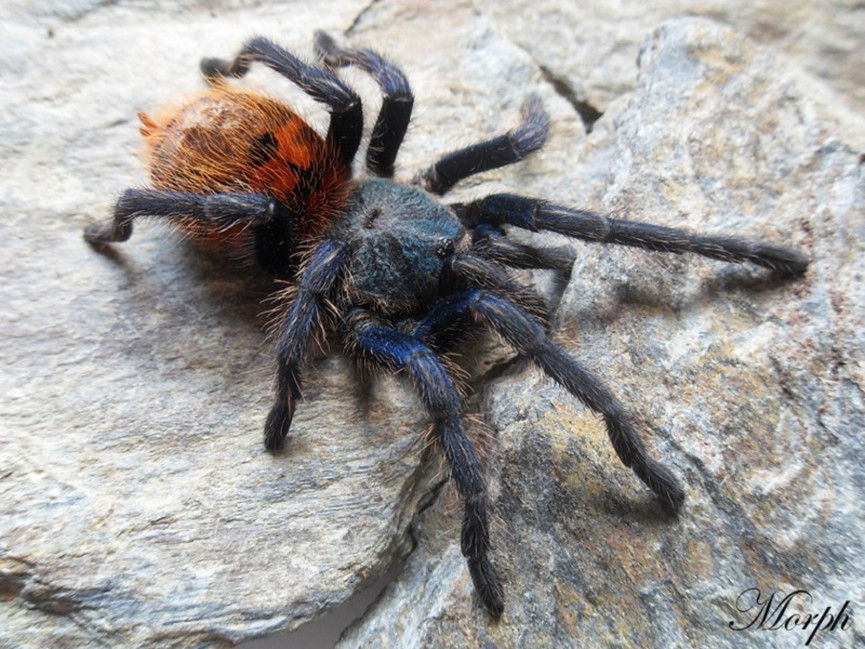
[(303, 320), (346, 110), (490, 242), (396, 107), (497, 152), (369, 338), (529, 338), (534, 214), (221, 210), (272, 226), (465, 270)]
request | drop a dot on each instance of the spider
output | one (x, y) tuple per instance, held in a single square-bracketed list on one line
[(386, 266)]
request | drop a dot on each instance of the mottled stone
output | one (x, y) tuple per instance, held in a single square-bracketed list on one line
[(589, 48), (139, 506), (748, 385)]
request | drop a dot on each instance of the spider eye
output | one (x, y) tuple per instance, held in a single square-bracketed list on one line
[(445, 247)]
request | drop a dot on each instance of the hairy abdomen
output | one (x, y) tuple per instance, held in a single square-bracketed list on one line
[(231, 140)]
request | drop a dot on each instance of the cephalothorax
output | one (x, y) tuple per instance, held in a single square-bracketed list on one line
[(385, 265)]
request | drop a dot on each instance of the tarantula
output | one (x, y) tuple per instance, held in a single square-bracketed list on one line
[(395, 272)]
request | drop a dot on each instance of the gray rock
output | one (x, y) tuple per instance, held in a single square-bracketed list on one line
[(590, 47), (750, 387), (139, 508)]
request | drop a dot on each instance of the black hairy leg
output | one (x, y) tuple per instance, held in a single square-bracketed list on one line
[(304, 319), (396, 107), (466, 270), (346, 110), (490, 242), (271, 224), (369, 338), (529, 338), (534, 214), (220, 210), (496, 152)]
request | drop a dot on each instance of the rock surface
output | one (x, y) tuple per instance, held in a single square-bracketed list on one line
[(138, 506), (749, 386)]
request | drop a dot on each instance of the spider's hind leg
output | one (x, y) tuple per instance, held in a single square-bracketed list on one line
[(496, 152), (346, 110), (396, 107), (318, 282), (213, 210)]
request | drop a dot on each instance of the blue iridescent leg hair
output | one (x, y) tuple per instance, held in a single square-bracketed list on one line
[(489, 241), (463, 271), (373, 340)]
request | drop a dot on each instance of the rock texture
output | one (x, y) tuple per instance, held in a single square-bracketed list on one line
[(138, 507), (749, 385), (591, 46)]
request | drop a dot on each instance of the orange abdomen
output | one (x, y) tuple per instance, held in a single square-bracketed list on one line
[(230, 140)]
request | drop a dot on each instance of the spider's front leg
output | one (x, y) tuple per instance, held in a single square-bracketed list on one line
[(535, 214), (371, 339), (466, 270), (530, 339), (303, 320)]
